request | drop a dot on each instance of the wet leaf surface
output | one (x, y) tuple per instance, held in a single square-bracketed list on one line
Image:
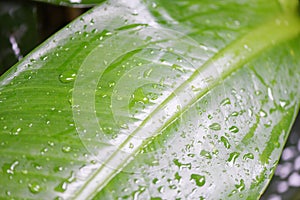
[(153, 101)]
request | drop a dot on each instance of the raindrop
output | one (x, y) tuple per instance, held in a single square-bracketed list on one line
[(263, 113), (131, 146), (225, 101), (241, 185), (177, 67), (177, 177), (67, 76), (234, 129), (234, 114), (111, 84), (248, 156), (182, 165), (206, 154), (283, 103), (66, 149), (225, 142), (270, 94), (215, 127), (199, 180), (34, 188), (61, 187), (233, 156), (9, 168)]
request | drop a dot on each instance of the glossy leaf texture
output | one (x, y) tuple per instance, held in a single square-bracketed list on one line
[(156, 100), (18, 32), (73, 3)]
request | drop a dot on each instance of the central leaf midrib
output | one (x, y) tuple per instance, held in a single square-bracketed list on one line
[(235, 54)]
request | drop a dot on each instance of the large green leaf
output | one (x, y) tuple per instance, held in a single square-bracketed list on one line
[(156, 100)]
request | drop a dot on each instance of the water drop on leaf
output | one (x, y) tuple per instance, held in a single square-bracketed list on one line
[(34, 188), (234, 129), (199, 180), (67, 76), (215, 127)]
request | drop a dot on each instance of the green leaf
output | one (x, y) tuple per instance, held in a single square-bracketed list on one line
[(190, 100), (18, 33)]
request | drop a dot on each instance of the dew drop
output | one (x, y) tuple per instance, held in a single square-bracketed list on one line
[(263, 113), (234, 114), (233, 156), (241, 185), (182, 165), (215, 126), (66, 149), (225, 142), (111, 84), (283, 103), (177, 176), (234, 129), (67, 76), (248, 156), (61, 187), (34, 188), (225, 101), (177, 67), (206, 154), (199, 179)]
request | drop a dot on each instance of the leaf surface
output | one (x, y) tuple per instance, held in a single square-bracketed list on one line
[(190, 100)]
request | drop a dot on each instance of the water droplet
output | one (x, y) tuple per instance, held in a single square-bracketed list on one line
[(177, 176), (215, 126), (111, 84), (34, 188), (177, 67), (248, 156), (131, 146), (66, 149), (182, 165), (263, 113), (241, 185), (9, 168), (67, 76), (206, 154), (62, 187), (233, 156), (234, 114), (283, 103), (234, 129), (270, 94), (225, 142), (199, 180), (225, 101)]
